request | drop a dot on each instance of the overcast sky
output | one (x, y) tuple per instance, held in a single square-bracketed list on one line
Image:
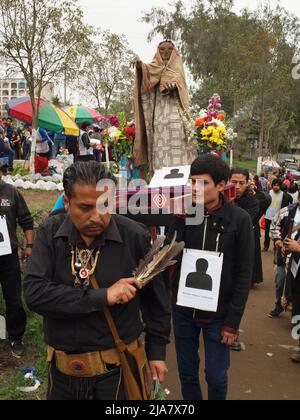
[(123, 16)]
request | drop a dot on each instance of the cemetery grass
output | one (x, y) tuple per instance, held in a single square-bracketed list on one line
[(251, 165)]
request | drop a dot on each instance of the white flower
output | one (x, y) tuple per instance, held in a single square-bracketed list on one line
[(203, 113), (113, 132), (218, 123)]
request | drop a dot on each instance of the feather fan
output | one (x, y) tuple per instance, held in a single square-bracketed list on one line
[(158, 259)]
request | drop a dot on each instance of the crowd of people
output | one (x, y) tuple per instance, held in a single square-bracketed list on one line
[(15, 144)]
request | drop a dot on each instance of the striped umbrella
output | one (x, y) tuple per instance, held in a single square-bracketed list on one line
[(51, 117), (271, 164), (82, 114)]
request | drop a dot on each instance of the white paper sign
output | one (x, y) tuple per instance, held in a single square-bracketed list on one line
[(171, 177), (200, 280), (2, 328), (5, 245), (295, 268)]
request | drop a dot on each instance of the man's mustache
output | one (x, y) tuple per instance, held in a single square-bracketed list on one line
[(94, 225)]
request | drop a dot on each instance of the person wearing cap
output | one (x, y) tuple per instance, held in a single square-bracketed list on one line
[(14, 208)]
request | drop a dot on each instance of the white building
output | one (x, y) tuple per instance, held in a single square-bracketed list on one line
[(16, 88), (11, 89)]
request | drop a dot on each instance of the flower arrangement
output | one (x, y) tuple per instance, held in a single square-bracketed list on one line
[(120, 138), (211, 131)]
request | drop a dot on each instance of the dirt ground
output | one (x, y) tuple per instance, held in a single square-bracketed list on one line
[(264, 370), (7, 363)]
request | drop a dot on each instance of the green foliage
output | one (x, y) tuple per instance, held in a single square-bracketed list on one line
[(20, 170), (251, 165), (107, 76)]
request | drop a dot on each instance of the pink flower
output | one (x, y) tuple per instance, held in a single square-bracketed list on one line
[(102, 119), (114, 121)]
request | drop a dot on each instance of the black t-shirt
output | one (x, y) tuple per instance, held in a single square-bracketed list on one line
[(15, 209)]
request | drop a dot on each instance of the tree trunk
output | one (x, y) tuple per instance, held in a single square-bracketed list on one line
[(65, 88), (99, 104), (262, 123), (35, 127)]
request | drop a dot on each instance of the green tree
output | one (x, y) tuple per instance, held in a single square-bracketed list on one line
[(107, 76)]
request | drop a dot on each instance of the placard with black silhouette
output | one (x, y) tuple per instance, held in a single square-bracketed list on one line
[(200, 280), (5, 245), (171, 177)]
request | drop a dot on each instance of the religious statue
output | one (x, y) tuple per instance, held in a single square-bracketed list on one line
[(162, 112)]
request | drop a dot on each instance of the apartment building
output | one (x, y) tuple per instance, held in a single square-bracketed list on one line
[(16, 88), (11, 89)]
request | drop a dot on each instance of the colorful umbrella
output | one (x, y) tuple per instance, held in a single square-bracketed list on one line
[(82, 114), (50, 117), (271, 164)]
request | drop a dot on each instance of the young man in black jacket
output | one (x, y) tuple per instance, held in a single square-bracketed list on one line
[(228, 228), (15, 210), (245, 200)]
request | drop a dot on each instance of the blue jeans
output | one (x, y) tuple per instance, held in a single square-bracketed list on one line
[(217, 358), (280, 282)]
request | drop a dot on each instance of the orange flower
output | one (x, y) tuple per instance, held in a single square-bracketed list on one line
[(221, 117), (200, 122)]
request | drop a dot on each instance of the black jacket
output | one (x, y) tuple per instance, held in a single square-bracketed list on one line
[(264, 201), (14, 208), (249, 203), (287, 200), (236, 242), (73, 319)]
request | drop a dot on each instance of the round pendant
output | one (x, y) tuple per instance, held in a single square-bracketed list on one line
[(84, 274)]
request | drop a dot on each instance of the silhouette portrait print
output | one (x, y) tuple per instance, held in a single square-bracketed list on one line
[(200, 280), (175, 174)]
